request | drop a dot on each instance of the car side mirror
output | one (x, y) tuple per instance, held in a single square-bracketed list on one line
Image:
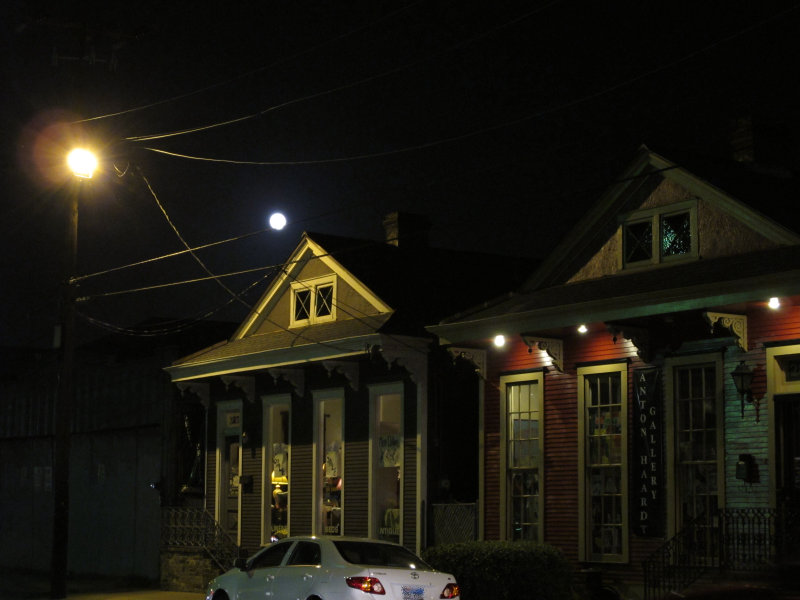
[(240, 563)]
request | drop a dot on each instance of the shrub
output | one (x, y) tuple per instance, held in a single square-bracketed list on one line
[(504, 570)]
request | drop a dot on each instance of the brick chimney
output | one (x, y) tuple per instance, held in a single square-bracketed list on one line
[(406, 230), (741, 140)]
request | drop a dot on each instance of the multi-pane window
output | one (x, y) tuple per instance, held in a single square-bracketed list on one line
[(658, 235), (329, 480), (676, 234), (523, 456), (313, 301), (387, 463), (603, 400), (697, 441), (276, 467)]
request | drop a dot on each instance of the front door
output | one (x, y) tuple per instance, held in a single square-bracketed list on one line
[(787, 449), (229, 438)]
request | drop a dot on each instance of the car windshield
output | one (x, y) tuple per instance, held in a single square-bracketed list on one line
[(379, 555)]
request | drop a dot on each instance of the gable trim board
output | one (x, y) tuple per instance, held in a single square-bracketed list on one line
[(275, 358), (305, 252), (704, 285), (602, 220)]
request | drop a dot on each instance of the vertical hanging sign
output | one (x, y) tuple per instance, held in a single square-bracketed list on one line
[(647, 456)]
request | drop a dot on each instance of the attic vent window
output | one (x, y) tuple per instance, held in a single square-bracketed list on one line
[(656, 236), (313, 301)]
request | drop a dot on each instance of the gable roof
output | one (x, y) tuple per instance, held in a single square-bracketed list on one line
[(754, 196), (409, 287), (549, 301)]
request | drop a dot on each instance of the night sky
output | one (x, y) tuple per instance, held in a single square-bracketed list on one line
[(501, 121)]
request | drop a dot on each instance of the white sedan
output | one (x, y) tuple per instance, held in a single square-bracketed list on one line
[(332, 568)]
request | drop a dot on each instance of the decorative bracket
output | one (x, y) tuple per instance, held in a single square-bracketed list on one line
[(736, 324), (638, 336), (553, 347), (296, 377), (197, 389), (348, 369), (244, 383), (473, 355)]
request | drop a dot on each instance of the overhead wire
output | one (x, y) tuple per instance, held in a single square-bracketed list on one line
[(352, 84), (252, 71), (480, 131)]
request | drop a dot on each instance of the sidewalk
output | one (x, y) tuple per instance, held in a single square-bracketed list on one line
[(36, 586)]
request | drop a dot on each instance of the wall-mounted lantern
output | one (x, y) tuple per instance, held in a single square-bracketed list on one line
[(743, 380)]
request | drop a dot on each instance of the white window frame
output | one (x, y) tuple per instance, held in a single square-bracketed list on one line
[(375, 392), (312, 285), (670, 415), (321, 396), (268, 403), (654, 215), (224, 407), (584, 503), (537, 378)]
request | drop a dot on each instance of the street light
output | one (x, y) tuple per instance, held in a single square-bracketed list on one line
[(83, 164)]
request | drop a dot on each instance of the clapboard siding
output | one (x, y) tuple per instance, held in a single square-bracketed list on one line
[(251, 500), (300, 490), (356, 488)]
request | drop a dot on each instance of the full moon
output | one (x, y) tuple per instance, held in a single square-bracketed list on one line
[(277, 221)]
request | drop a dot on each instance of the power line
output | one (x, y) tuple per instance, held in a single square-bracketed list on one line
[(482, 130), (253, 71), (352, 84)]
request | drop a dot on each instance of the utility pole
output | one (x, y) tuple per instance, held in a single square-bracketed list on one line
[(82, 164), (63, 408)]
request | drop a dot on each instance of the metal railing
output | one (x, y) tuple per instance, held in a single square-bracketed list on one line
[(453, 523), (195, 529), (682, 560), (748, 539), (741, 540)]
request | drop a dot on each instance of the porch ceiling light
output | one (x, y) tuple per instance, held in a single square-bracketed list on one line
[(499, 340), (582, 328), (774, 303)]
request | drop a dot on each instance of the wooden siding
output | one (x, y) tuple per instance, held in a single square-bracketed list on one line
[(410, 452), (301, 498), (410, 455), (251, 514), (356, 488)]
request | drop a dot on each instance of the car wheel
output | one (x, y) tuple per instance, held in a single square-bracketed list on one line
[(220, 595)]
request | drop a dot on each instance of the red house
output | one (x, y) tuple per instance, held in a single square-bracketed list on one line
[(643, 414)]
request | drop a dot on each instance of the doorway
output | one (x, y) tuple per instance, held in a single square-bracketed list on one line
[(787, 450)]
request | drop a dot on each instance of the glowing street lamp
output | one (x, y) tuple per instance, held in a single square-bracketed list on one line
[(82, 163)]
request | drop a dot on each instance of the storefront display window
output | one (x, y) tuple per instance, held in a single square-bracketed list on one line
[(387, 465), (276, 461), (604, 404), (523, 455), (330, 463)]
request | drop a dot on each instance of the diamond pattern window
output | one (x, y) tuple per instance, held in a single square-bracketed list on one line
[(659, 235), (313, 301)]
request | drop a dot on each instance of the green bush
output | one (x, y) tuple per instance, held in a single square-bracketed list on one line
[(504, 570)]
